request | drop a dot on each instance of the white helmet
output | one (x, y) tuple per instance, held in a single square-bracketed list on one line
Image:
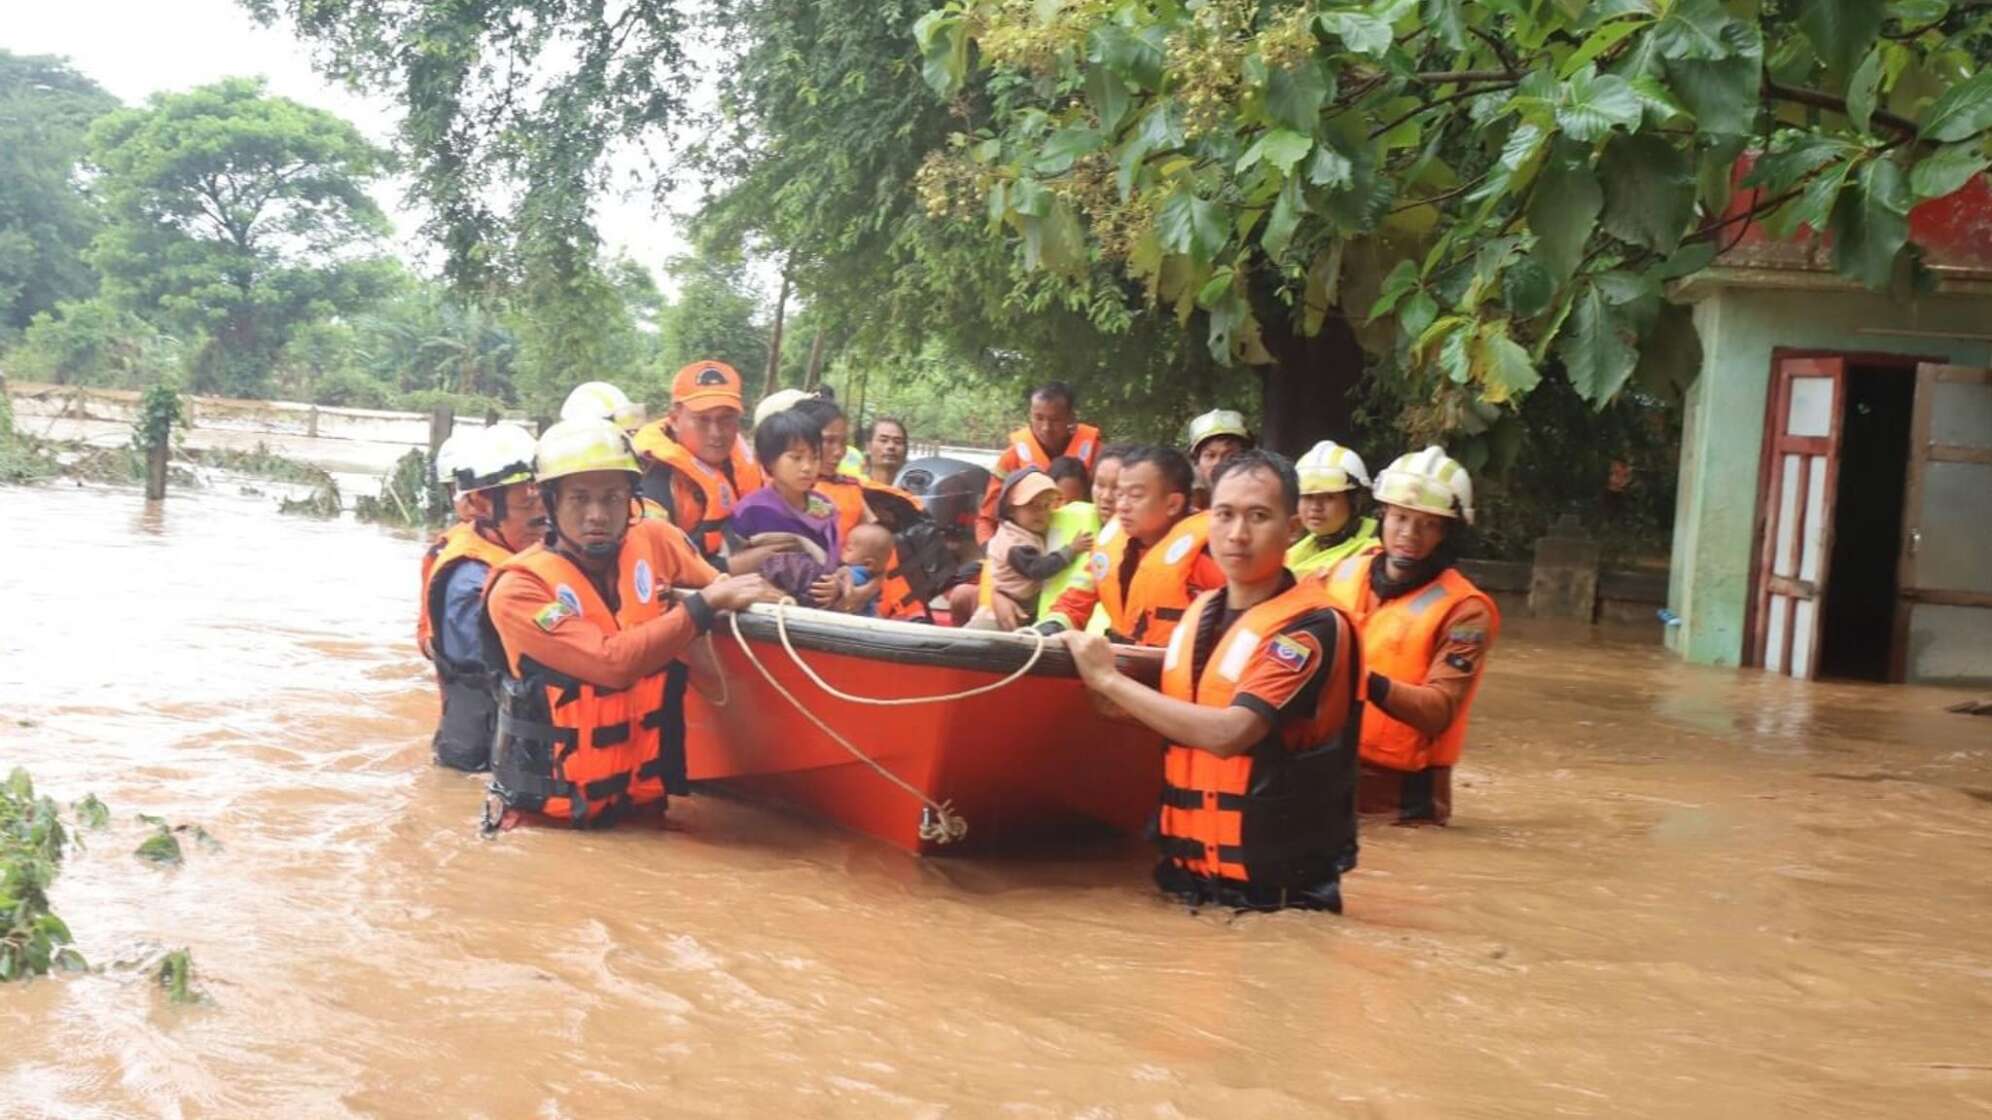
[(1218, 422), (1428, 481), (501, 455), (1330, 468), (781, 400), (599, 400), (581, 446), (451, 454)]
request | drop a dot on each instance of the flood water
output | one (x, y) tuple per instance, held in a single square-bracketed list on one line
[(1669, 891)]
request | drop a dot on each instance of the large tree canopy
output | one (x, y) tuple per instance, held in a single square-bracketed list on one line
[(1496, 186), (237, 216), (46, 221)]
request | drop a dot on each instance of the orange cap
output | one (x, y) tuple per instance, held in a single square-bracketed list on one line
[(704, 385)]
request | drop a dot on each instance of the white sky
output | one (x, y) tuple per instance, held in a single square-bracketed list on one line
[(135, 48)]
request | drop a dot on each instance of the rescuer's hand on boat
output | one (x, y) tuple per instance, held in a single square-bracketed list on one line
[(732, 593), (1092, 655)]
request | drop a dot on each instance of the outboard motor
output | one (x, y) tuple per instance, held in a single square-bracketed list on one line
[(951, 490)]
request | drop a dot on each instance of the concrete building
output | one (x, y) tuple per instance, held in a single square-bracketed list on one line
[(1835, 508)]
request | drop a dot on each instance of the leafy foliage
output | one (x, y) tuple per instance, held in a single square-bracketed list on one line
[(46, 219), (159, 411), (32, 843), (1491, 181), (236, 215)]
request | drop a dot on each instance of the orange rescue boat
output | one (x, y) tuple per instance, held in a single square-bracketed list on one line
[(1012, 752)]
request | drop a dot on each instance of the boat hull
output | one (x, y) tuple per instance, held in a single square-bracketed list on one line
[(1030, 764)]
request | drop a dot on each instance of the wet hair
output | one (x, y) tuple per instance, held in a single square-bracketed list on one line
[(1174, 467), (820, 409), (1261, 461), (1115, 451), (1056, 391), (871, 429), (785, 429), (1065, 466)]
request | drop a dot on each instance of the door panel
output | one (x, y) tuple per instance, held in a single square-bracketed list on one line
[(1797, 500), (1943, 617)]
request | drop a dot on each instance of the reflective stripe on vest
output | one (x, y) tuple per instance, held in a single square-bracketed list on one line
[(1160, 592), (1400, 638), (564, 747), (1282, 814), (1067, 522)]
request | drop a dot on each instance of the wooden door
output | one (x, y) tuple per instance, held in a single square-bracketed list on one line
[(1943, 613), (1801, 476)]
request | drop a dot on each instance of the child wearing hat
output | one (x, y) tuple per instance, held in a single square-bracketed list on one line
[(1018, 562)]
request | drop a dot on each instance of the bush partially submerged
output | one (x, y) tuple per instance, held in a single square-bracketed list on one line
[(32, 843)]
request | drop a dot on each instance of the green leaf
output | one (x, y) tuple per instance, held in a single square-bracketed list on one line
[(1840, 30), (1862, 88), (1723, 93), (1281, 148), (1688, 259), (1294, 96), (1595, 356), (1670, 354), (1216, 288), (1402, 279), (1446, 20), (1418, 313), (1065, 146), (1649, 191), (943, 41), (1813, 207), (1362, 34), (1028, 197), (1692, 29), (1136, 58), (1871, 224), (1947, 169), (90, 812), (1527, 288), (160, 847), (1330, 168), (1108, 95), (1781, 168), (1604, 38), (1190, 225), (1507, 373), (1562, 214), (1963, 111), (1453, 356), (1593, 104), (1285, 218)]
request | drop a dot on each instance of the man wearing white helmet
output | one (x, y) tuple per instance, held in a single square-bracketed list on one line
[(599, 400), (448, 457), (493, 471), (1216, 437), (1331, 479), (1426, 630), (585, 632)]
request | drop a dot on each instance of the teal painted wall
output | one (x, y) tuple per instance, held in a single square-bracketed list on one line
[(1709, 579)]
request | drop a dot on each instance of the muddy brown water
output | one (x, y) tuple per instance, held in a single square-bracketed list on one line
[(1670, 891)]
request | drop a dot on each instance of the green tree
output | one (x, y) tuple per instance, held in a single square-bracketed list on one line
[(1482, 190), (715, 314), (46, 220), (92, 342), (237, 215)]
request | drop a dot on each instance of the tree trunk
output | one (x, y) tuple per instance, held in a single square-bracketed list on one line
[(775, 337), (155, 468), (815, 362), (1310, 390)]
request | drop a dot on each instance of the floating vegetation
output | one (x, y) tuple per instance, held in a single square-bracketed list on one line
[(176, 975), (163, 845), (32, 842), (404, 495)]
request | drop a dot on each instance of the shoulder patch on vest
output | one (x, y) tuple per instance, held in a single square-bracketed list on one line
[(645, 581), (1179, 550), (567, 598), (1101, 564), (552, 615), (1467, 635), (1289, 653)]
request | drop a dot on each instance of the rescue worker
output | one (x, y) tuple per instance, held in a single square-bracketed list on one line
[(599, 400), (1260, 707), (1053, 431), (1215, 436), (449, 455), (1332, 479), (497, 487), (885, 449), (695, 465), (1426, 631), (858, 500), (1147, 574), (582, 628)]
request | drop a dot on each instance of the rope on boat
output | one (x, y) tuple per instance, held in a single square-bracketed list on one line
[(781, 628), (939, 823)]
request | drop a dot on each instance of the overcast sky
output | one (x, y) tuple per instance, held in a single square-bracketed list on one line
[(135, 48)]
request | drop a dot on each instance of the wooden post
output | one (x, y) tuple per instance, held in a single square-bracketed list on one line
[(155, 467), (441, 423), (311, 422)]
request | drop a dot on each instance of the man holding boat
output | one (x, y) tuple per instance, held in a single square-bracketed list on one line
[(1261, 709)]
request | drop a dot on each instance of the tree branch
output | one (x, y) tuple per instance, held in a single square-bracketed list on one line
[(1441, 77), (1819, 99), (1462, 95)]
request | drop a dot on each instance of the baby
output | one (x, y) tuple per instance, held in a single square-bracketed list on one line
[(867, 553), (1018, 562)]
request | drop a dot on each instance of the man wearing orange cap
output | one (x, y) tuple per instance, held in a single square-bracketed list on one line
[(695, 466)]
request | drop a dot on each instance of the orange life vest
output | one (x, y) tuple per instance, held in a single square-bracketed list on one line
[(1160, 591), (1283, 814), (691, 493), (565, 748), (1400, 638), (469, 688), (1083, 446), (896, 597)]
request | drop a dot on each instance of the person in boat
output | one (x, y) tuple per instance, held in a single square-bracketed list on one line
[(1426, 630), (1332, 480), (582, 628), (885, 449), (1083, 517), (495, 480), (1053, 431), (1215, 437), (1071, 478), (861, 500), (867, 556), (1019, 561), (696, 467), (1260, 707), (1147, 572), (789, 446), (600, 400)]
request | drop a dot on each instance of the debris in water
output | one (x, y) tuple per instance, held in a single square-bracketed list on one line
[(1971, 707), (176, 975), (32, 841), (161, 847)]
